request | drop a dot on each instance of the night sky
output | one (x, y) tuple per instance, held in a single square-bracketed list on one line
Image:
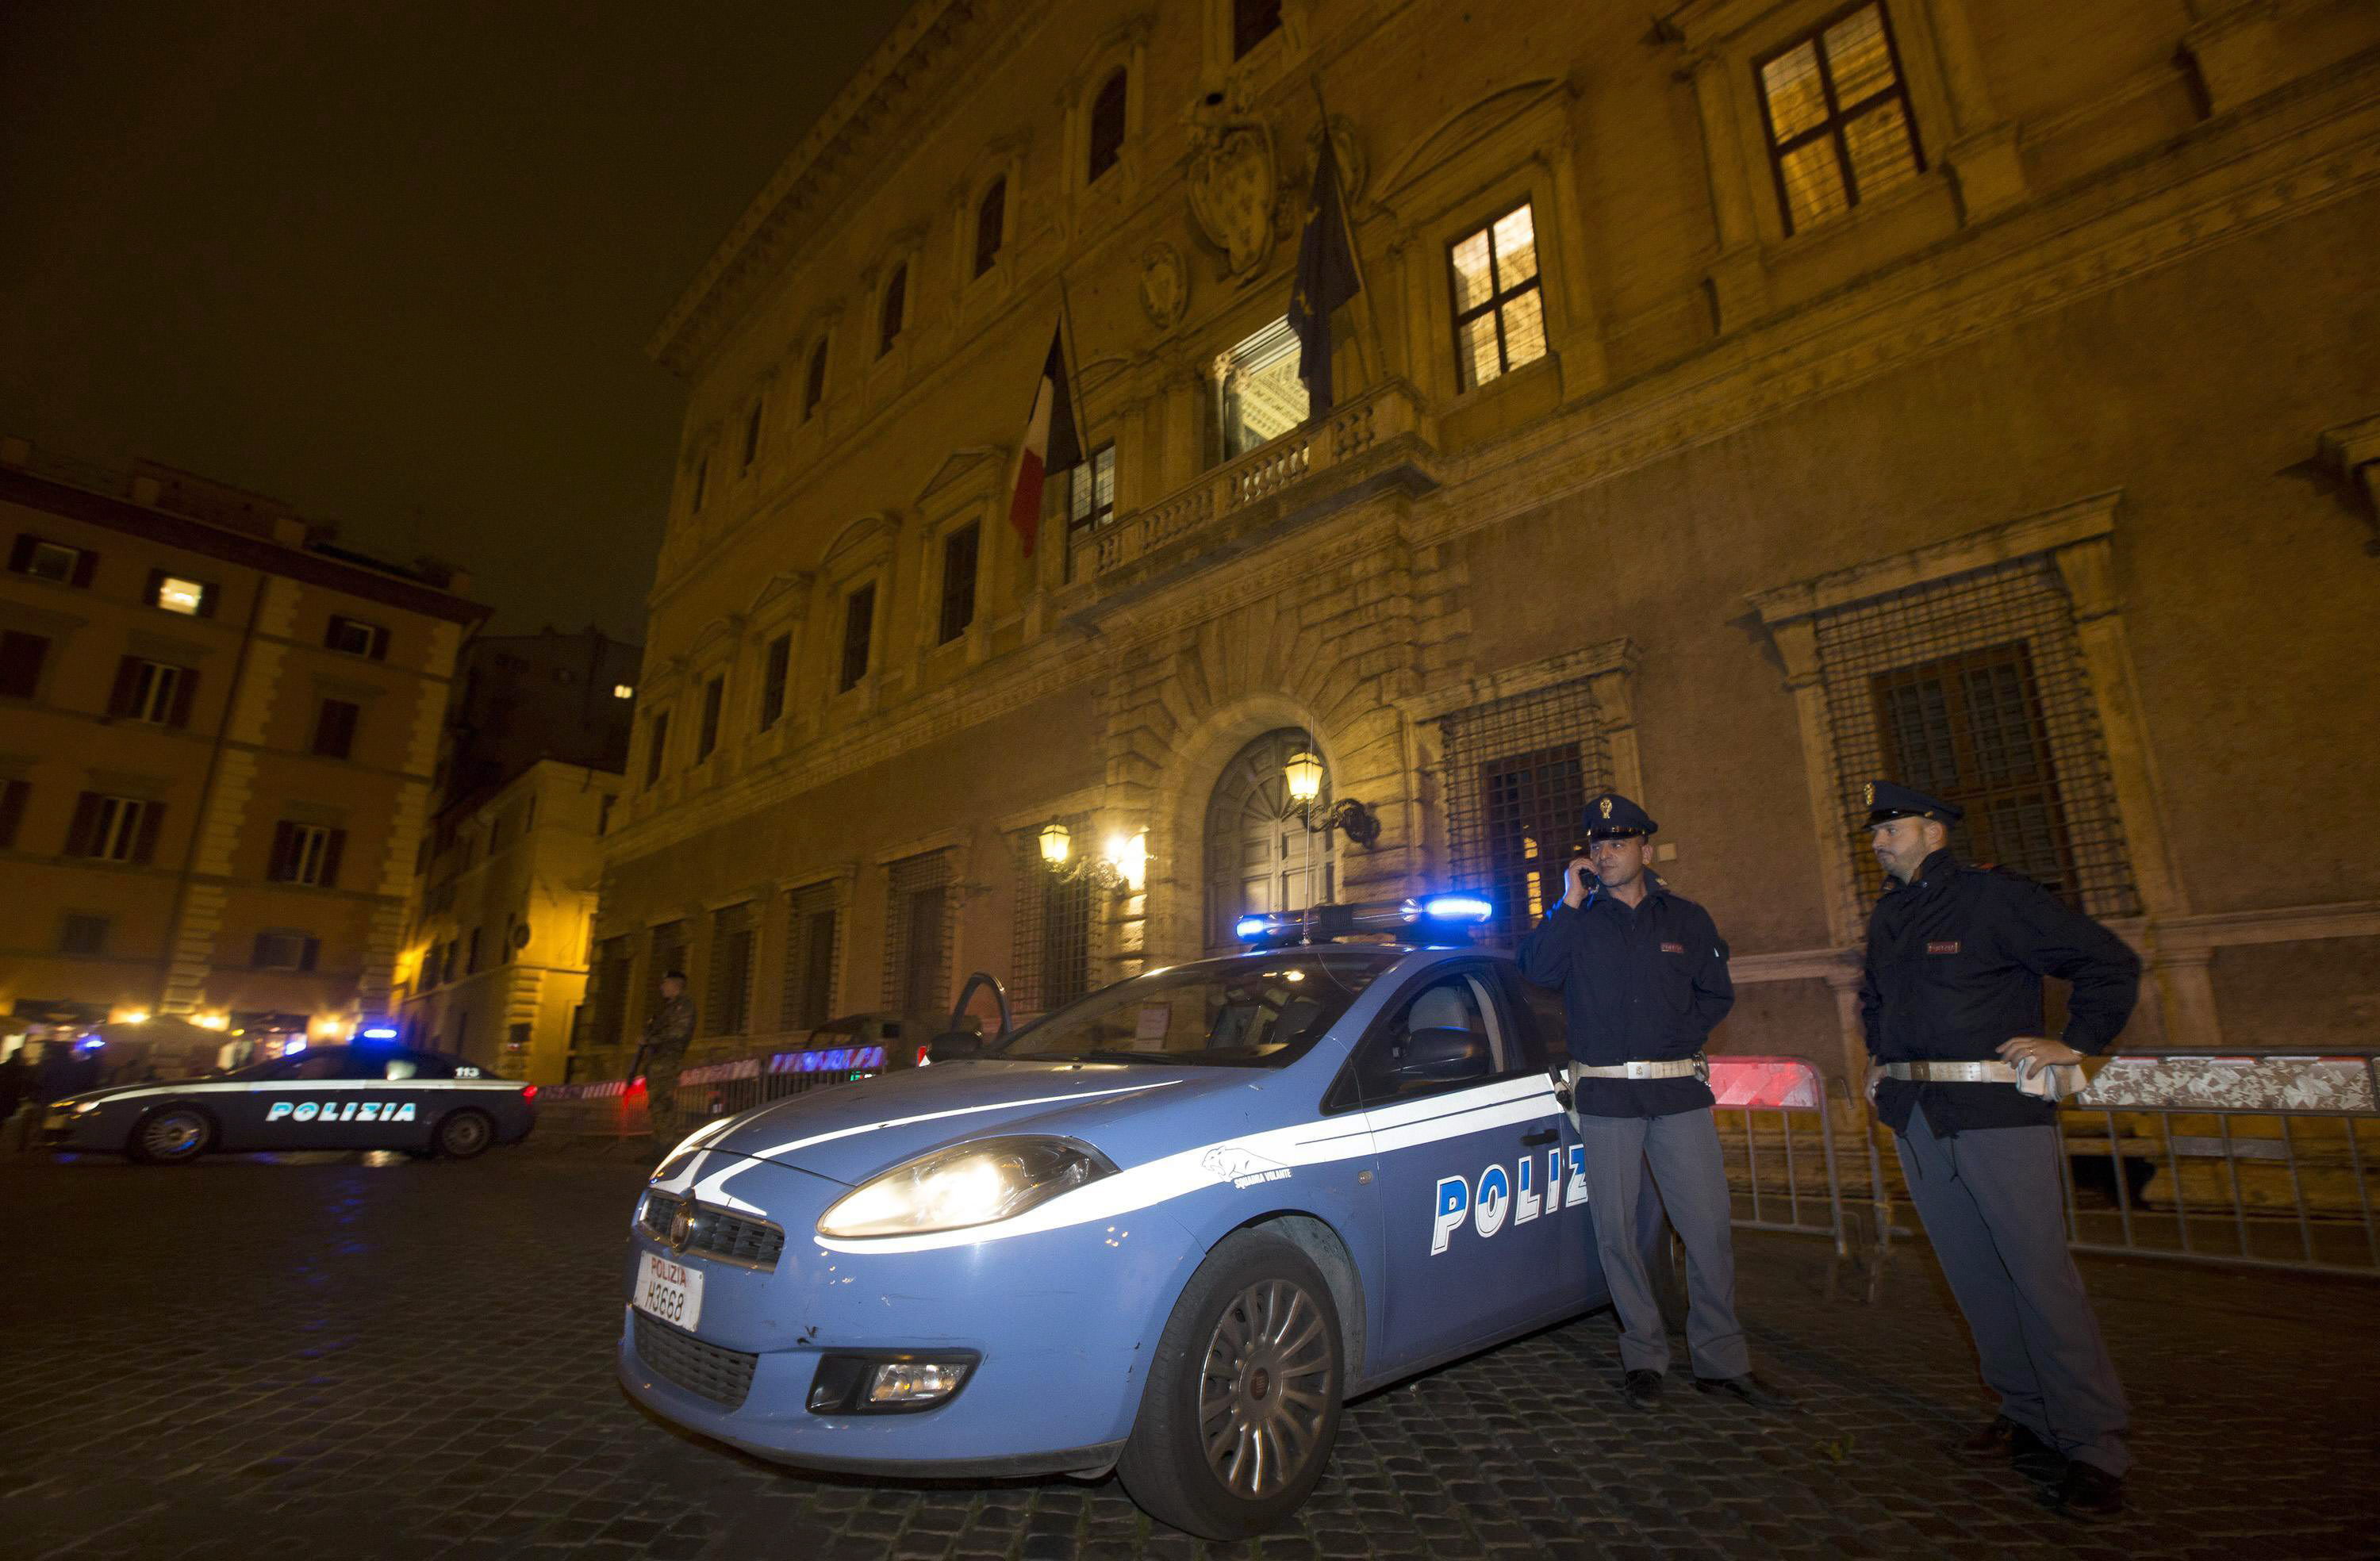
[(393, 263)]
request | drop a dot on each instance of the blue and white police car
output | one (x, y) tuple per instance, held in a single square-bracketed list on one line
[(1165, 1230), (363, 1096)]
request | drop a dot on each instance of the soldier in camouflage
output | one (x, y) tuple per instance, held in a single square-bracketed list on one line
[(667, 1034)]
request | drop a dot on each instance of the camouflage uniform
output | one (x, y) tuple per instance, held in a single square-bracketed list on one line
[(667, 1034)]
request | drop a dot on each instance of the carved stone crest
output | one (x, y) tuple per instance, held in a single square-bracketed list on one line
[(1233, 180), (1164, 285)]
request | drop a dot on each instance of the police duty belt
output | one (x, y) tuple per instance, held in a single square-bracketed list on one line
[(2055, 1082)]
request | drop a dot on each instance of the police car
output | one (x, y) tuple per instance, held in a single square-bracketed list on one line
[(1165, 1230), (327, 1098)]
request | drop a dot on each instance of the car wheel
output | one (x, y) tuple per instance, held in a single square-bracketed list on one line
[(462, 1134), (1241, 1405), (174, 1135)]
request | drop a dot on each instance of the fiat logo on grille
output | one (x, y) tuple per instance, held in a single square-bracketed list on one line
[(681, 1230)]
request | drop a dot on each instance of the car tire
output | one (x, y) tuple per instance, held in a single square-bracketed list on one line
[(171, 1135), (464, 1134), (1257, 1314)]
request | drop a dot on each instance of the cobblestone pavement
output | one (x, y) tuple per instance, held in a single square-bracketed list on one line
[(326, 1358)]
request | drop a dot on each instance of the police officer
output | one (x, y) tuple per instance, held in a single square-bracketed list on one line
[(1642, 974), (667, 1034), (1951, 1001)]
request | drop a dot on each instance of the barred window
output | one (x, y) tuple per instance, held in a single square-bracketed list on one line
[(727, 1010), (1973, 689), (1835, 104), (1051, 945), (917, 938), (1518, 773), (812, 918)]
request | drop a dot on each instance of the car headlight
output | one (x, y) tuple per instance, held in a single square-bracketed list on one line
[(977, 1183), (88, 1106)]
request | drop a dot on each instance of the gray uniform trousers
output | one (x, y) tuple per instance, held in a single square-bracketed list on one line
[(1994, 1207), (1688, 1171)]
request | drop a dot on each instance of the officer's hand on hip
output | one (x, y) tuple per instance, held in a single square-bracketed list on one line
[(1582, 879), (2038, 1050)]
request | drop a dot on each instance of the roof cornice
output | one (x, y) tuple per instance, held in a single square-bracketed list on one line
[(808, 181)]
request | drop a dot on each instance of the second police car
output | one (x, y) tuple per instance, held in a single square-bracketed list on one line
[(1167, 1230), (363, 1096)]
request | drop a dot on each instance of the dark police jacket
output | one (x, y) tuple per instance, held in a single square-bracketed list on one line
[(1642, 985), (1955, 959)]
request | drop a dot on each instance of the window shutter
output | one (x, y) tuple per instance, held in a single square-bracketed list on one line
[(186, 689), (207, 595), (84, 831), (285, 847), (331, 850), (256, 959), (85, 562), (20, 664), (12, 811), (313, 951), (21, 557), (125, 697), (144, 844)]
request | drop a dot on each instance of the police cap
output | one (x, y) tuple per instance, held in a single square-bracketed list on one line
[(1887, 800), (1612, 813)]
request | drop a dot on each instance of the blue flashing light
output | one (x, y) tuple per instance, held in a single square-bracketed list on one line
[(294, 1048), (379, 1033), (1248, 928), (1455, 908)]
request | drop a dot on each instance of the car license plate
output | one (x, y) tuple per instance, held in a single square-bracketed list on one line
[(668, 1289)]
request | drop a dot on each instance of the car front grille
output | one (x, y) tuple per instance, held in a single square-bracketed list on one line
[(731, 1237), (723, 1377)]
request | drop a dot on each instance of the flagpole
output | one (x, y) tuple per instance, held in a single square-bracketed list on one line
[(1370, 328)]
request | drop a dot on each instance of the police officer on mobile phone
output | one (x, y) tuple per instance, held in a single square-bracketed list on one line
[(1642, 974)]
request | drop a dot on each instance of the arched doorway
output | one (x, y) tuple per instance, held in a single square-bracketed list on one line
[(1259, 854)]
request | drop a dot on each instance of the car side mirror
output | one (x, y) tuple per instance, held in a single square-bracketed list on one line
[(953, 1044), (1443, 1057)]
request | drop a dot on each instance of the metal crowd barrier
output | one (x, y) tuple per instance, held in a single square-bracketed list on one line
[(616, 1108), (2263, 1161), (1777, 1118)]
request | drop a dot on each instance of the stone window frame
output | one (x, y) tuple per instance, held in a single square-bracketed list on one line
[(1607, 671), (1001, 162), (1124, 48), (1773, 156), (840, 883), (2075, 543), (864, 554), (1019, 832), (1273, 55), (1513, 148), (951, 845), (752, 428), (971, 487), (1970, 146)]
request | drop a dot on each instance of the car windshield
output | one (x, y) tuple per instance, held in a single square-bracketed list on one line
[(1252, 1012)]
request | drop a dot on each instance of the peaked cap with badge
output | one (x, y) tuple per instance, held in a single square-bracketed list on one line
[(1610, 814)]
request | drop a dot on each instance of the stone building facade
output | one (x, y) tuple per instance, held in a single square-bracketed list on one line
[(217, 734), (1740, 402), (494, 968)]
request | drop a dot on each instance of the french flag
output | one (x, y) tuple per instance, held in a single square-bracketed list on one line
[(1051, 443)]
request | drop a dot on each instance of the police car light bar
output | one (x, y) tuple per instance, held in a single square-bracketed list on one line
[(378, 1033), (1442, 915)]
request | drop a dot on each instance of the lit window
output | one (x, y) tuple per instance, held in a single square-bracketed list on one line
[(1837, 109), (1499, 317), (188, 597), (624, 691), (1090, 499), (1262, 398)]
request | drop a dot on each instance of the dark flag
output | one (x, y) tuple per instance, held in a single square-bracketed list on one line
[(1326, 279), (1050, 443)]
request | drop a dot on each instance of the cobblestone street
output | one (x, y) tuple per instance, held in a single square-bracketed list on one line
[(251, 1359)]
